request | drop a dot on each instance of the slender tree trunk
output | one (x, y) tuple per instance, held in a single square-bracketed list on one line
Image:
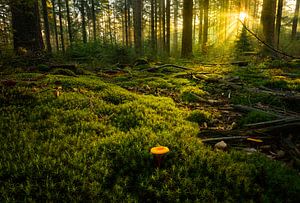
[(94, 20), (152, 25), (46, 26), (70, 31), (83, 21), (187, 32), (205, 26), (295, 20), (176, 7), (129, 26), (268, 22), (61, 27), (155, 24), (137, 19), (110, 25), (278, 23), (200, 21), (126, 23), (55, 25), (26, 26), (168, 16), (163, 11)]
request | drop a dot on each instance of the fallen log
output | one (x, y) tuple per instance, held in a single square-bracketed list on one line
[(243, 108), (153, 69), (275, 122)]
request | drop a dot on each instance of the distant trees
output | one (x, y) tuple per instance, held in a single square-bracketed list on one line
[(167, 27)]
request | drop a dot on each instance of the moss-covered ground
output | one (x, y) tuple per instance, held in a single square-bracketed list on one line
[(67, 136)]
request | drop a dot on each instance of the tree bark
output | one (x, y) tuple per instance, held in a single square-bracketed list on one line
[(278, 23), (70, 31), (268, 23), (137, 19), (61, 27), (186, 50), (55, 24), (175, 36), (46, 25), (94, 21), (205, 26), (295, 20), (26, 26), (152, 25), (83, 22), (200, 21), (168, 27)]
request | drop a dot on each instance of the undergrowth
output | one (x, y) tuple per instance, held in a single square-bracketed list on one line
[(91, 142)]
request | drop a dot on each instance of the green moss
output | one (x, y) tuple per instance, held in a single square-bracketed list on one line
[(80, 146), (200, 116)]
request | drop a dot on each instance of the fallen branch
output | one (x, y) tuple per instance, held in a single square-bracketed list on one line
[(275, 122), (167, 65), (243, 108)]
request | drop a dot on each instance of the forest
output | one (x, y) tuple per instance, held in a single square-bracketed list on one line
[(149, 100)]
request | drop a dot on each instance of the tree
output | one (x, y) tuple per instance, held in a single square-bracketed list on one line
[(94, 20), (187, 34), (46, 25), (295, 20), (61, 26), (70, 31), (137, 19), (83, 21), (268, 22), (55, 24), (205, 26), (168, 28), (26, 25), (278, 22)]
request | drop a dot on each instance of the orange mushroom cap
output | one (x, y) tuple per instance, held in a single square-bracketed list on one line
[(159, 150)]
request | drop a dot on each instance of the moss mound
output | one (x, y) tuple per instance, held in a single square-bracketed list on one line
[(92, 142)]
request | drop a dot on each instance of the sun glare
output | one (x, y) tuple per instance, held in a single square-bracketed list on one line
[(243, 16)]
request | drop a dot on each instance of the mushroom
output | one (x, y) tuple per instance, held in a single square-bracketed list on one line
[(158, 153)]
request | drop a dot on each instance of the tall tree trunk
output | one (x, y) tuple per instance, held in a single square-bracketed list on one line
[(205, 26), (55, 25), (70, 31), (137, 19), (61, 27), (129, 25), (176, 7), (168, 13), (94, 21), (126, 23), (268, 22), (46, 25), (152, 25), (83, 21), (187, 31), (278, 23), (295, 20), (163, 18), (200, 21), (155, 23), (26, 25)]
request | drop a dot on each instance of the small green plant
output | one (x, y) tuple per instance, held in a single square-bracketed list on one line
[(200, 116)]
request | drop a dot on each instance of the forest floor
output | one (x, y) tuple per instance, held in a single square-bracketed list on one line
[(73, 132)]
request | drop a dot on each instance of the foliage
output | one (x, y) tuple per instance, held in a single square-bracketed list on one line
[(60, 71), (243, 43)]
